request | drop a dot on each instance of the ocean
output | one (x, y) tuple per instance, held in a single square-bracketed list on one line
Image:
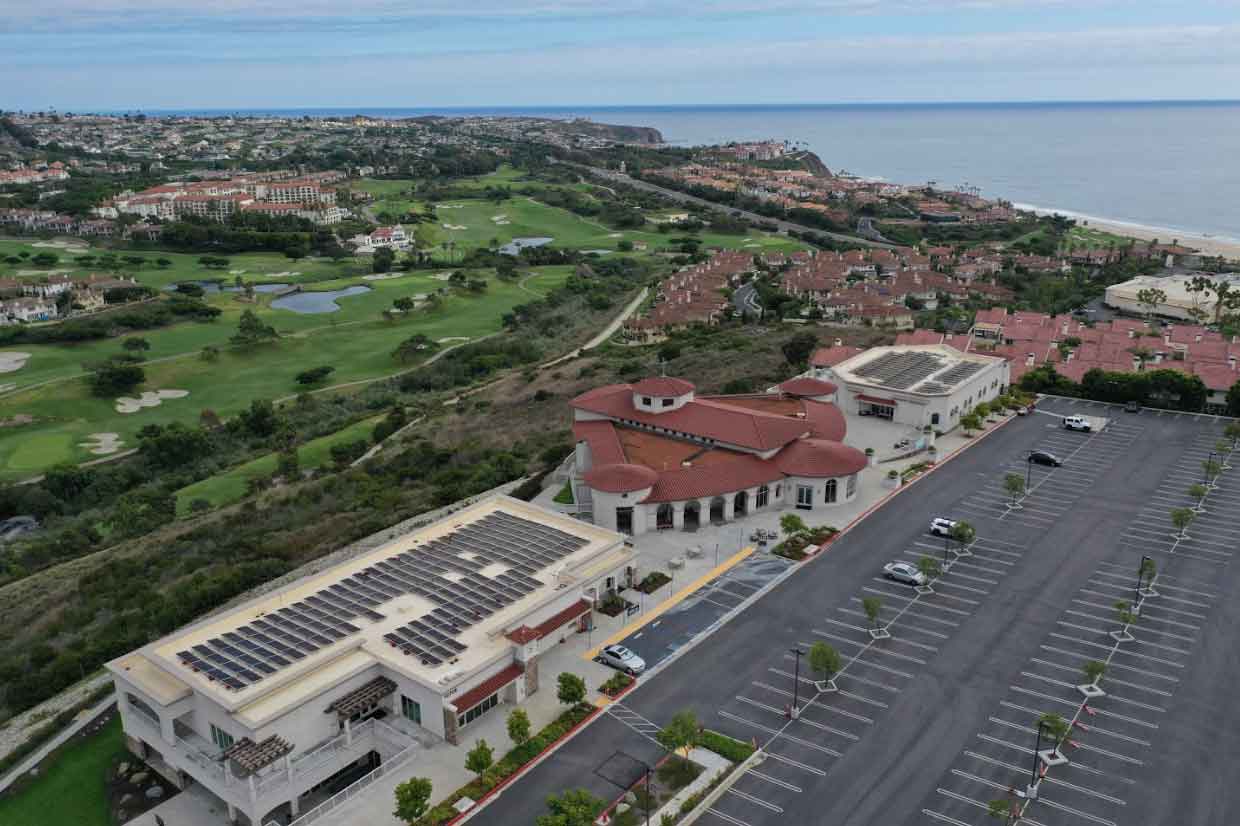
[(1152, 164)]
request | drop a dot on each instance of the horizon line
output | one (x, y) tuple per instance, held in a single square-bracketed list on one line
[(359, 109)]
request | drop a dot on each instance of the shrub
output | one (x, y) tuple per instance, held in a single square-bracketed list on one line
[(653, 581), (677, 772), (729, 748)]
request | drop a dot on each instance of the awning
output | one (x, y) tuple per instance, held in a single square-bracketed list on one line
[(363, 698), (877, 400), (249, 757), (487, 687), (546, 628)]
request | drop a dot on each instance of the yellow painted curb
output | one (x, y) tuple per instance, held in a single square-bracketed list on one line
[(671, 601), (603, 702)]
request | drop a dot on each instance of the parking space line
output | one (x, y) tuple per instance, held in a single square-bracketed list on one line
[(726, 818), (866, 646), (1092, 727), (1049, 779), (1110, 695), (1077, 812), (1082, 746), (1075, 764), (901, 624), (1113, 664), (1076, 702), (790, 787), (892, 624), (796, 764), (1123, 651), (755, 800)]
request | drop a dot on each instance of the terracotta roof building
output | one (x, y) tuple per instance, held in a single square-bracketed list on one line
[(655, 455)]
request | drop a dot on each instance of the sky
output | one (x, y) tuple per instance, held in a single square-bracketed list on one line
[(96, 55)]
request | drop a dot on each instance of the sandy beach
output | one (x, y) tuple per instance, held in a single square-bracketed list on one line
[(1209, 245)]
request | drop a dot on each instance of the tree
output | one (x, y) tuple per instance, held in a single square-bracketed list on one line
[(479, 758), (1093, 671), (1223, 448), (982, 410), (964, 533), (1232, 431), (1123, 613), (970, 422), (251, 330), (575, 807), (792, 524), (1150, 298), (518, 726), (824, 660), (872, 606), (1148, 570), (571, 689), (1056, 725), (1212, 470), (259, 419), (1182, 518), (412, 347), (1198, 491), (679, 734), (1014, 484), (383, 259), (111, 378), (799, 348), (404, 304), (136, 345), (315, 374), (413, 797), (1003, 808), (930, 567), (288, 465)]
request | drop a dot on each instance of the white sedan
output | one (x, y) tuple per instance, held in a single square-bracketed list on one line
[(904, 572)]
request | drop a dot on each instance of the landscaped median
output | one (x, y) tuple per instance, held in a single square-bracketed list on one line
[(681, 787)]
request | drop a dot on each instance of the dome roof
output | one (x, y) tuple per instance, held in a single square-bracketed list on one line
[(820, 458), (621, 478), (663, 386), (805, 386)]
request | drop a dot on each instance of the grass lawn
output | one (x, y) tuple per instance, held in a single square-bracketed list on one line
[(72, 789), (229, 486)]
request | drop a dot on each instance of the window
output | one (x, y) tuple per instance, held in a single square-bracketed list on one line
[(411, 709), (779, 491), (805, 497), (934, 418), (646, 401), (668, 402), (764, 496), (852, 486), (830, 494), (222, 739), (477, 711)]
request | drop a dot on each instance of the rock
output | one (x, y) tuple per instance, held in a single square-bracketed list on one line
[(630, 798), (621, 808), (122, 770), (33, 772), (121, 815), (126, 799), (139, 778), (155, 793)]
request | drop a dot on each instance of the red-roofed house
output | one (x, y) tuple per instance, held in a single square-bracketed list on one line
[(654, 455)]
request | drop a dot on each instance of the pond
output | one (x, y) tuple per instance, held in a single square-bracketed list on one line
[(515, 246), (215, 287), (316, 302)]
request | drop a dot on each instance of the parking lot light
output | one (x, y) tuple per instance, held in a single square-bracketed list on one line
[(1037, 759), (797, 653)]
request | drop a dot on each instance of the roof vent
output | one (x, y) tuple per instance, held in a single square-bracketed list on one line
[(686, 463)]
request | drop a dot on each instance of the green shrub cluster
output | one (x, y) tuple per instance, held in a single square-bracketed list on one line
[(729, 748)]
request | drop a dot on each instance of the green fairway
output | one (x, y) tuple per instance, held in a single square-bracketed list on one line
[(229, 486), (72, 789), (356, 340)]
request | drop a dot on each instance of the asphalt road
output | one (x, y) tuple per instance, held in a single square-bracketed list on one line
[(681, 197), (745, 300), (932, 724)]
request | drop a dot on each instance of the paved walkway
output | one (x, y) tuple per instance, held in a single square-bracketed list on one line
[(606, 333), (43, 751)]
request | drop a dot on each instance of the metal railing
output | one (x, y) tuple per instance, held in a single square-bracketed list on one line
[(354, 789)]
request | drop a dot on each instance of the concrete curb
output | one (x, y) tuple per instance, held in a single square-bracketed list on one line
[(729, 780)]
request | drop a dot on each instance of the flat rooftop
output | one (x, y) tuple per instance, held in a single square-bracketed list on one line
[(930, 369), (432, 604)]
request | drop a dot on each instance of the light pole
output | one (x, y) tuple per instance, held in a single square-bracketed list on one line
[(1205, 470), (1037, 758), (1028, 470), (796, 678), (1141, 576)]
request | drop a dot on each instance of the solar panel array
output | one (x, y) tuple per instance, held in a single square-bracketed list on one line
[(900, 370), (959, 373), (446, 571)]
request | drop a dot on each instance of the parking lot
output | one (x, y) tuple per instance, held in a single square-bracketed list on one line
[(937, 719)]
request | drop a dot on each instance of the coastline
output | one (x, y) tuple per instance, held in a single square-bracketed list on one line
[(1222, 245)]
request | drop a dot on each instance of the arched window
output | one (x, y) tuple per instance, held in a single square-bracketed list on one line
[(831, 494), (764, 496)]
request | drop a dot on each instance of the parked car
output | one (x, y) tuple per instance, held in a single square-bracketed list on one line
[(1076, 423), (622, 659), (904, 572), (942, 527), (1042, 457), (1022, 411), (1132, 407)]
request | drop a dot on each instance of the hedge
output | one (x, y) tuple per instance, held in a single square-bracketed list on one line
[(729, 748)]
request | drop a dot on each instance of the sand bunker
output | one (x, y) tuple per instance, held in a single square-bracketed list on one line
[(285, 274), (451, 339), (12, 361), (615, 235), (442, 276), (42, 272), (102, 444), (449, 206), (382, 276), (67, 246), (155, 398), (453, 227), (236, 272)]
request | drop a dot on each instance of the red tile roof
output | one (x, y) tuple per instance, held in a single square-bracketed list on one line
[(742, 471), (805, 386), (605, 447), (820, 458), (663, 386), (831, 356), (487, 687), (620, 478), (572, 612)]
